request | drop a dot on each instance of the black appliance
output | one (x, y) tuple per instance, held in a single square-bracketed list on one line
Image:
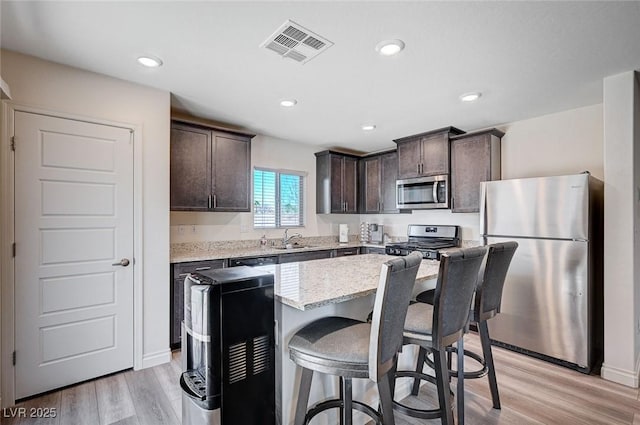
[(429, 240), (228, 348)]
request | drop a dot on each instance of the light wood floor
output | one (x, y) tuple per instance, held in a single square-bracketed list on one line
[(531, 391)]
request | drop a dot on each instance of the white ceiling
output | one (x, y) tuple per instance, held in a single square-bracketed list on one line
[(527, 58)]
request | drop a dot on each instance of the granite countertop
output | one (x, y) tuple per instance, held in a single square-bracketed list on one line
[(200, 251), (310, 284)]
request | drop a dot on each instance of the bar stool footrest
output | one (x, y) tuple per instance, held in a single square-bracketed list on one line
[(471, 374), (339, 403), (414, 412)]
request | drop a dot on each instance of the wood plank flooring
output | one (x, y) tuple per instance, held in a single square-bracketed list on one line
[(532, 392)]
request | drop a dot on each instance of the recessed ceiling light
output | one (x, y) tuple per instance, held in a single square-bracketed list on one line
[(390, 47), (288, 103), (470, 97), (368, 127), (149, 61)]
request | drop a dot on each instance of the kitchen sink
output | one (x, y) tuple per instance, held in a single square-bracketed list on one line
[(292, 247)]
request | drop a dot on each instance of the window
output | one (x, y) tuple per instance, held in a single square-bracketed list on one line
[(278, 198)]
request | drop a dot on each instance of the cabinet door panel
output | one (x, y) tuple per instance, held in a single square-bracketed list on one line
[(337, 202), (232, 163), (389, 175), (350, 185), (190, 168), (371, 185), (470, 163), (435, 155), (409, 156)]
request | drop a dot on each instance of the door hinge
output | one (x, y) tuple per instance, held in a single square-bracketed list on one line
[(13, 250), (13, 358), (13, 143)]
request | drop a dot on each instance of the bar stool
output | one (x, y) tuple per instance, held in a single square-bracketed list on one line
[(435, 327), (486, 305), (350, 348)]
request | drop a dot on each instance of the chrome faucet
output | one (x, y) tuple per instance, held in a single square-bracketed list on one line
[(286, 238)]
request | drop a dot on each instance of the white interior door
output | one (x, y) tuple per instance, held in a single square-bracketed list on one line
[(73, 225)]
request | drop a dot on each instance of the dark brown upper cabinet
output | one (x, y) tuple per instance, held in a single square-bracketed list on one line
[(336, 183), (210, 169), (425, 154), (475, 158), (378, 175)]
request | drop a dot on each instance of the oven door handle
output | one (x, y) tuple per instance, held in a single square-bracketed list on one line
[(435, 192)]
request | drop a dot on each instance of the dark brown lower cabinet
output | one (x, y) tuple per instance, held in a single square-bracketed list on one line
[(178, 272)]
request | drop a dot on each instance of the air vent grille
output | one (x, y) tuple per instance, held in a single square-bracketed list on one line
[(237, 362), (295, 33), (286, 41), (314, 42), (295, 56), (261, 354), (295, 42)]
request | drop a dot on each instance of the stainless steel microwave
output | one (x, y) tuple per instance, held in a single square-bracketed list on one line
[(422, 193)]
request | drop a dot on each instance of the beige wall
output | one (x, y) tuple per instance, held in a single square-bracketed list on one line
[(61, 89), (568, 142)]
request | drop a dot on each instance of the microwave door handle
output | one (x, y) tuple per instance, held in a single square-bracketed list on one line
[(435, 192)]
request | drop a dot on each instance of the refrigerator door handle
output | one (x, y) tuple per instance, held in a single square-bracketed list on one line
[(483, 208)]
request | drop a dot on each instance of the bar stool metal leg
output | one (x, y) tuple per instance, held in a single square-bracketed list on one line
[(422, 354), (303, 395), (444, 397), (386, 404), (460, 381), (488, 358)]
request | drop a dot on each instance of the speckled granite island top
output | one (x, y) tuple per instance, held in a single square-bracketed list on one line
[(310, 284)]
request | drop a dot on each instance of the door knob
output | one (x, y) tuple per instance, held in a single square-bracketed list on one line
[(124, 262)]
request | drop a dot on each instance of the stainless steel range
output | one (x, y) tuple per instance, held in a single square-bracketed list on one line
[(429, 240)]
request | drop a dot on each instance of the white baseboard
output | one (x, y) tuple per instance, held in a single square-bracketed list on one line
[(155, 359), (630, 378)]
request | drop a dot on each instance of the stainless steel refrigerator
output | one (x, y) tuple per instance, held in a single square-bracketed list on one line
[(552, 305)]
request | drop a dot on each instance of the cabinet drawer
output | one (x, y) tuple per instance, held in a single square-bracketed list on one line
[(303, 256), (373, 250), (180, 270), (341, 252), (253, 261)]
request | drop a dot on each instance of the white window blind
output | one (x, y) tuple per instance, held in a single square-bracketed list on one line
[(278, 198)]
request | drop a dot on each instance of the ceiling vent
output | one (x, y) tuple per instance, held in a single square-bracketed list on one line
[(295, 42)]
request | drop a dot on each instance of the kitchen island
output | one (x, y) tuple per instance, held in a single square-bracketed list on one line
[(343, 286)]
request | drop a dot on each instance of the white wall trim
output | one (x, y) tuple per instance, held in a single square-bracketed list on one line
[(7, 207), (7, 386), (138, 253), (157, 358), (630, 378)]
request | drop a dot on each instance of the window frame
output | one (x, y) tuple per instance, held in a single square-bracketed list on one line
[(278, 171)]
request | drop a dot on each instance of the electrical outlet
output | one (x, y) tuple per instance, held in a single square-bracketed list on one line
[(193, 228), (181, 230)]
